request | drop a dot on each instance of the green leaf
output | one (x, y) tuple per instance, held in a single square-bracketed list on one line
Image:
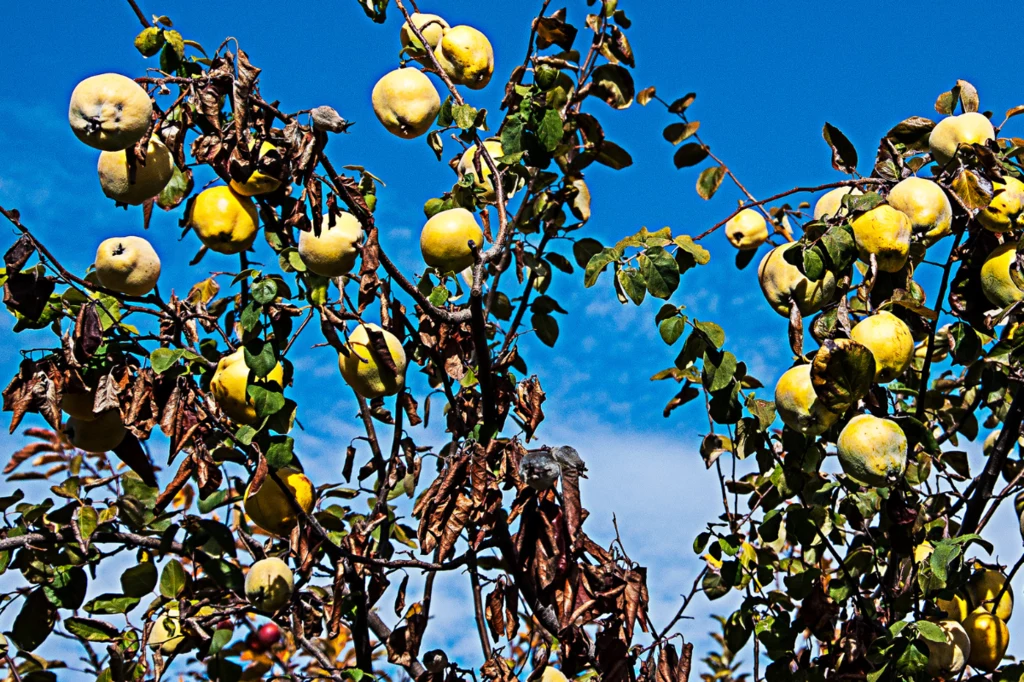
[(162, 359), (560, 262), (250, 317), (671, 329), (632, 282), (176, 189), (279, 454), (930, 631), (110, 604), (660, 272), (690, 154), (221, 638), (546, 327), (944, 554), (712, 332), (550, 130), (720, 376), (259, 357), (224, 574), (814, 266), (266, 402), (613, 156), (913, 660), (139, 580), (840, 246), (709, 181), (439, 295), (173, 579), (685, 243), (584, 249), (149, 41), (91, 630), (512, 135), (842, 373), (464, 115), (264, 291), (34, 622), (215, 500), (597, 264)]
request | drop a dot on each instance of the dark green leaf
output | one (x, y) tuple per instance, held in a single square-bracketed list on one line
[(597, 264), (110, 604), (91, 630), (709, 181), (259, 357), (279, 454), (546, 327), (173, 579), (677, 132), (550, 130), (266, 402), (690, 154), (584, 249), (139, 580), (633, 284), (34, 622), (264, 291), (660, 272), (671, 329)]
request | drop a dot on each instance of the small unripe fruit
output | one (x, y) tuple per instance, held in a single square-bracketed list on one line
[(747, 230), (269, 584)]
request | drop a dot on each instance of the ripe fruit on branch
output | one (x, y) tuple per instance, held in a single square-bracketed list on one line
[(1003, 212), (467, 167), (466, 56), (268, 635), (996, 281), (927, 207), (128, 265), (983, 588), (150, 178), (430, 25), (406, 102), (269, 584), (229, 386), (782, 281), (949, 657), (953, 131), (258, 183), (798, 404), (747, 230), (831, 203), (224, 220), (989, 638), (334, 252), (110, 111), (955, 608), (271, 509), (167, 635), (363, 370), (872, 450), (444, 241), (890, 341), (885, 233), (101, 434)]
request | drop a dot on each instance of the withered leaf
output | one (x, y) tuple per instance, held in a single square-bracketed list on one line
[(19, 253)]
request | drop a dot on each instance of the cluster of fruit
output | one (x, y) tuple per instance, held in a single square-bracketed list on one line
[(873, 450), (269, 584), (890, 233), (975, 623)]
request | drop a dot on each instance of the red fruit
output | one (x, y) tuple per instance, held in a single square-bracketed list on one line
[(225, 624), (253, 642), (268, 635)]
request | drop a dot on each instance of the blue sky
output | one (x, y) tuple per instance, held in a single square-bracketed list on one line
[(766, 80)]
